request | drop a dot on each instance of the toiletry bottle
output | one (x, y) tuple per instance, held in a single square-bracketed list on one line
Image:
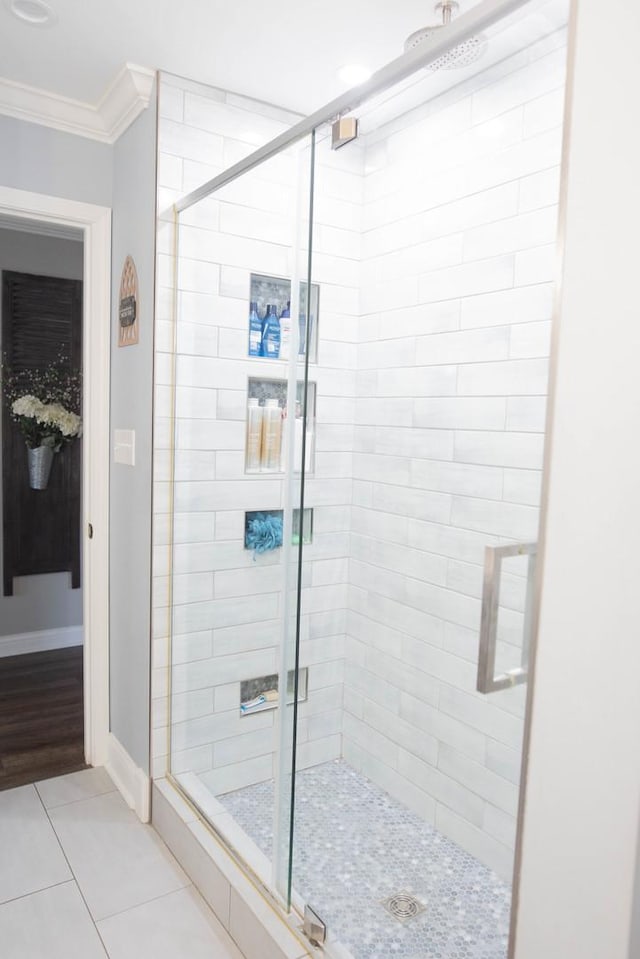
[(271, 436), (284, 442), (310, 339), (297, 449), (255, 330), (302, 321), (285, 332), (271, 334), (263, 321), (308, 448), (255, 414)]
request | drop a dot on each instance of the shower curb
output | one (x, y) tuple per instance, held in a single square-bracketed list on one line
[(255, 924)]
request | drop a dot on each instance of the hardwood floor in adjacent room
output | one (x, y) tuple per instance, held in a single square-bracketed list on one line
[(41, 716)]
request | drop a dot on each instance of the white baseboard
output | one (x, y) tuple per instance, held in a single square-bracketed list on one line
[(131, 781), (41, 640)]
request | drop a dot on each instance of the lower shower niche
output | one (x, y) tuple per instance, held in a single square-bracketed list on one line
[(261, 693), (263, 529)]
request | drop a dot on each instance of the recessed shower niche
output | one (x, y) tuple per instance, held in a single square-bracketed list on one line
[(261, 528), (270, 298), (268, 432), (261, 694)]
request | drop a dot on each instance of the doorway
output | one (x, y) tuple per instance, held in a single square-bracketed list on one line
[(41, 630), (87, 664)]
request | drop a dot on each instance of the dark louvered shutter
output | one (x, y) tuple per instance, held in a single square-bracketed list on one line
[(41, 317)]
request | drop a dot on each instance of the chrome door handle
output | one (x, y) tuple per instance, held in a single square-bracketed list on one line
[(487, 681)]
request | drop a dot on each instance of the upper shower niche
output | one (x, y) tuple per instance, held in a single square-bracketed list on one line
[(271, 319)]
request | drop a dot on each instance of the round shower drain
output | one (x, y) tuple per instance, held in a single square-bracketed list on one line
[(403, 906)]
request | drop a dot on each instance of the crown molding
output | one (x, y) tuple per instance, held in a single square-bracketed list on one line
[(124, 99)]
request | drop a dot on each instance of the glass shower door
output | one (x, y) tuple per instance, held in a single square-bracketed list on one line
[(242, 429), (434, 237), (362, 347)]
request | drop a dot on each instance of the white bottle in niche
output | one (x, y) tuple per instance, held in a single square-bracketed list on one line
[(285, 332), (255, 415), (284, 444), (297, 457), (308, 450), (297, 449), (271, 436)]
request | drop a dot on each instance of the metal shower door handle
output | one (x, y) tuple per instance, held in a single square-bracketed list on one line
[(488, 682)]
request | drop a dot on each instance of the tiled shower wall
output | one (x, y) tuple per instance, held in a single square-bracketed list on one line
[(435, 271), (458, 256), (227, 603)]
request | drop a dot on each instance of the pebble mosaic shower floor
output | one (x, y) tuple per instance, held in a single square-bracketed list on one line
[(356, 846)]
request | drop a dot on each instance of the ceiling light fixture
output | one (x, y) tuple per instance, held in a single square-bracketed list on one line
[(37, 13), (354, 74)]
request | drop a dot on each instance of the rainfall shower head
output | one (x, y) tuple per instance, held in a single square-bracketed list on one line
[(462, 55)]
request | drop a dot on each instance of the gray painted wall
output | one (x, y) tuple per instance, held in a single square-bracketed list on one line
[(122, 176), (46, 255), (40, 602), (41, 160), (131, 408)]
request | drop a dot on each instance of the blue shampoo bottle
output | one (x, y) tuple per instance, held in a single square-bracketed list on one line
[(255, 331), (271, 334)]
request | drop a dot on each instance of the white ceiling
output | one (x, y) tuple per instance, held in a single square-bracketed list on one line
[(286, 52)]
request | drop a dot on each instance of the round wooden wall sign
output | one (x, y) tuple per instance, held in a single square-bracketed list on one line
[(128, 305)]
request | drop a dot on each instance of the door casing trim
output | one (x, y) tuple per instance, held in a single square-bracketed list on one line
[(94, 222)]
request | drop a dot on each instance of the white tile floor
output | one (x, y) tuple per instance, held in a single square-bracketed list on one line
[(82, 878)]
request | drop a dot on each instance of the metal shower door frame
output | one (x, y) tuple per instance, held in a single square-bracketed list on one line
[(479, 18)]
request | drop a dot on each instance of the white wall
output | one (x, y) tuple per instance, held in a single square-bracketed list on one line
[(227, 606), (583, 792), (460, 219), (131, 408), (47, 601), (196, 141)]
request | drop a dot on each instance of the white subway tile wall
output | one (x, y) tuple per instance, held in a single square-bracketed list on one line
[(458, 248), (433, 248), (227, 604)]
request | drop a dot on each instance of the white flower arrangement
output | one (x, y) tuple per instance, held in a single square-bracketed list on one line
[(44, 403), (45, 424)]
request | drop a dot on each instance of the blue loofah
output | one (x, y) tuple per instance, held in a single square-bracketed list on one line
[(264, 532)]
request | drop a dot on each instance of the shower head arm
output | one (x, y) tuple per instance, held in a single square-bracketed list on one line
[(448, 9)]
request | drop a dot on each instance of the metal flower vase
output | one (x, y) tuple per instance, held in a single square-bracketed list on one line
[(40, 461)]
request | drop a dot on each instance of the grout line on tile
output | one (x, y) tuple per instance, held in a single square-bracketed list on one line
[(146, 902), (71, 802), (75, 878), (35, 892)]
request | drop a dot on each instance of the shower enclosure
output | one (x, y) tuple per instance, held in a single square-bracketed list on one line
[(356, 464)]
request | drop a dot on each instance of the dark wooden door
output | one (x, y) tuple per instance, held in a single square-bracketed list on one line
[(41, 319)]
